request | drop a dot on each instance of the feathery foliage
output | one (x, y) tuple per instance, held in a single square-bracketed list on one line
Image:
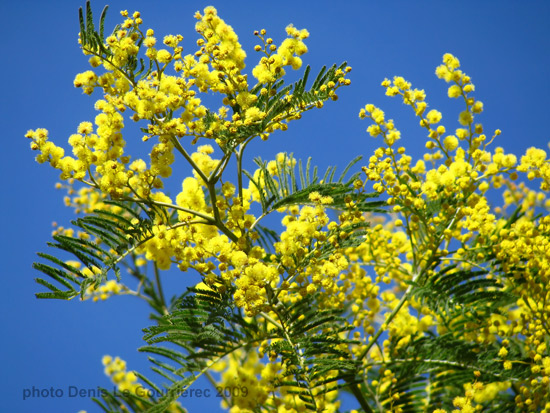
[(282, 188), (109, 238)]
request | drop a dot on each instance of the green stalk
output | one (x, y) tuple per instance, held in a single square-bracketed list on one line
[(159, 289), (388, 321), (360, 398)]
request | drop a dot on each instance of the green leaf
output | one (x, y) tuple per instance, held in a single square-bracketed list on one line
[(472, 290), (102, 23), (83, 37), (109, 229), (89, 20), (282, 189)]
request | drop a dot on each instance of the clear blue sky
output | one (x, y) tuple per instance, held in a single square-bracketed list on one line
[(504, 46)]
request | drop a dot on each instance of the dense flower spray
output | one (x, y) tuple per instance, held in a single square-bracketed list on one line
[(429, 298)]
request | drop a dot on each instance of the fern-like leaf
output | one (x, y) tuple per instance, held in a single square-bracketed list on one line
[(286, 187), (113, 237), (313, 344), (203, 329)]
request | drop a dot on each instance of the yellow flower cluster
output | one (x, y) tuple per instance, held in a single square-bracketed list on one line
[(250, 385), (110, 288), (127, 382), (536, 165), (104, 291), (99, 158), (101, 292), (221, 49), (103, 149), (115, 368), (240, 375), (454, 235), (475, 394), (271, 67)]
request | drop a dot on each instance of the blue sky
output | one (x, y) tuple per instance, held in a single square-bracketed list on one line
[(504, 46)]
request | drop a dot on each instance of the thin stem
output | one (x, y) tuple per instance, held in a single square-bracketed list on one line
[(360, 397), (210, 183), (373, 394), (188, 158), (258, 220), (131, 80), (299, 356), (213, 200), (445, 363), (271, 320), (217, 219), (207, 218), (139, 295), (239, 155), (215, 385), (386, 323), (240, 171), (216, 174), (92, 178), (159, 288)]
